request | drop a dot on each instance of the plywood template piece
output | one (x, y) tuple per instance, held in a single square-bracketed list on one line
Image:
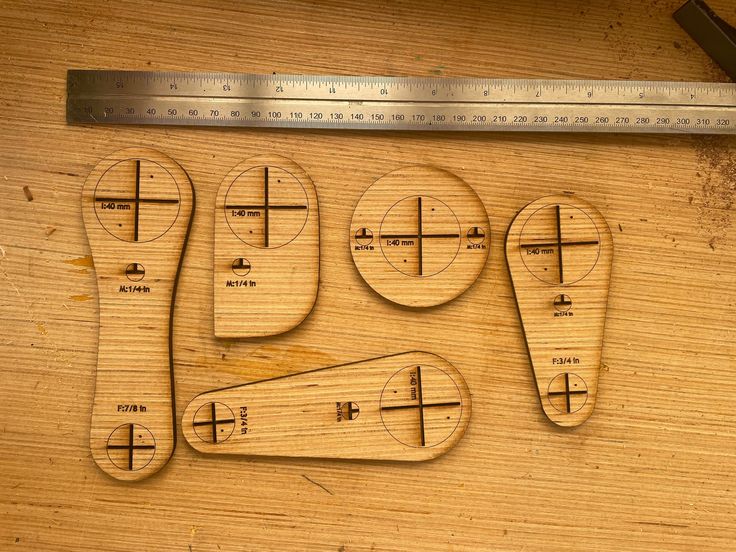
[(410, 406), (137, 206), (266, 262), (420, 236), (559, 251)]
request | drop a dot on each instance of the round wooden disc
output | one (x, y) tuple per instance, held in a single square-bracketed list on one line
[(420, 236)]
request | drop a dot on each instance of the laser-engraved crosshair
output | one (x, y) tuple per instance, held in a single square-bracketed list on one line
[(364, 236), (214, 422), (266, 206), (420, 236), (135, 272), (562, 303), (559, 244), (567, 392), (476, 235), (137, 200), (349, 410), (131, 447), (421, 406), (241, 266)]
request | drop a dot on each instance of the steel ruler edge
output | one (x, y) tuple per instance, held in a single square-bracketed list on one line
[(399, 103)]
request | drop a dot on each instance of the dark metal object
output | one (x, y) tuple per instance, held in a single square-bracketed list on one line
[(712, 33)]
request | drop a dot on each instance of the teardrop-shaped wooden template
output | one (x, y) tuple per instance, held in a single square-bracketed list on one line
[(559, 252), (410, 406), (137, 206), (266, 261)]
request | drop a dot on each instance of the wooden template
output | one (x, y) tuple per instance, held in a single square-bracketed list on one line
[(420, 236), (266, 260), (137, 205), (410, 406), (559, 251)]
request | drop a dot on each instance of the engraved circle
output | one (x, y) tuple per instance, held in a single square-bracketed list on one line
[(241, 266), (562, 302), (135, 272), (540, 244), (139, 212), (350, 410), (214, 422), (432, 423), (364, 236), (567, 395), (266, 206), (131, 447), (476, 235), (400, 242)]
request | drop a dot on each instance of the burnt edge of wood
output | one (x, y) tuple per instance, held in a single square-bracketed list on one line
[(171, 312), (329, 368)]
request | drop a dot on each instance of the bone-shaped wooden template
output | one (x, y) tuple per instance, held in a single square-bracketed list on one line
[(266, 260), (137, 206), (559, 251), (409, 406)]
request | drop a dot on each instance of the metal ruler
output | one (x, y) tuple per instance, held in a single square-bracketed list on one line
[(399, 103)]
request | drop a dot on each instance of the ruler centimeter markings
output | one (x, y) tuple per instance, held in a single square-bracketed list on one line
[(399, 103)]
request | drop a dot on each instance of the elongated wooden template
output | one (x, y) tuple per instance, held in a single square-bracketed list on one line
[(559, 251), (420, 236), (409, 406), (137, 206), (266, 261)]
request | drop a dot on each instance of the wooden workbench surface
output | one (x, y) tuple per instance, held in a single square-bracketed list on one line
[(653, 469)]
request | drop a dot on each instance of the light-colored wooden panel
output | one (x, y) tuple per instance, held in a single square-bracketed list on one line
[(137, 205), (266, 260), (409, 406), (559, 252), (420, 236)]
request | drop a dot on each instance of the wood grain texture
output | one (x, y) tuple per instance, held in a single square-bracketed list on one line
[(411, 406), (137, 206), (266, 259), (559, 252), (419, 236), (652, 469)]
